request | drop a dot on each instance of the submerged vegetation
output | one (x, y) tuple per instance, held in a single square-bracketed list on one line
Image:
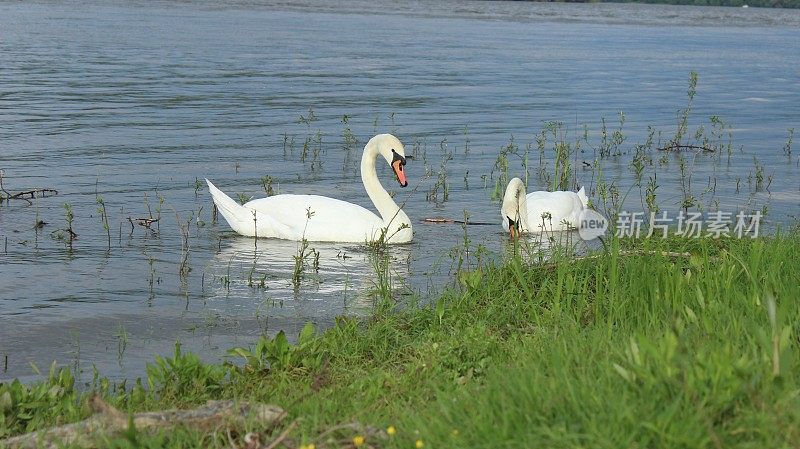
[(656, 342)]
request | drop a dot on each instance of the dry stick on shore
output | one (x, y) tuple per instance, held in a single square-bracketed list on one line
[(108, 421)]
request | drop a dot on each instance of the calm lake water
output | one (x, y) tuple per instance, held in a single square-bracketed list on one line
[(134, 102)]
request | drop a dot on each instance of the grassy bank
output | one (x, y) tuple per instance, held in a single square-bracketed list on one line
[(637, 347)]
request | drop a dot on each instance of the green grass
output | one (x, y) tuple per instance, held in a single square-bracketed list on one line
[(632, 349)]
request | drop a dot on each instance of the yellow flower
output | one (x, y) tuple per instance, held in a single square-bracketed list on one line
[(311, 446), (419, 444), (358, 440), (391, 430), (454, 433)]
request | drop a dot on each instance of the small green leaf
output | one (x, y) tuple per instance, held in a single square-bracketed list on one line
[(307, 334), (241, 352), (5, 402), (440, 309), (623, 372)]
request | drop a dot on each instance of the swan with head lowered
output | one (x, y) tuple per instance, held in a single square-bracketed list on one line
[(540, 211), (323, 219)]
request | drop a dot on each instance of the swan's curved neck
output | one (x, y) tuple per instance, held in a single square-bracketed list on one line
[(389, 210), (522, 207)]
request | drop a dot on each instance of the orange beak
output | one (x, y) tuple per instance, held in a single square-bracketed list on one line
[(512, 229), (397, 166)]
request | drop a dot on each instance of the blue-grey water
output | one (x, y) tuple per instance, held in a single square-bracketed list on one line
[(133, 102)]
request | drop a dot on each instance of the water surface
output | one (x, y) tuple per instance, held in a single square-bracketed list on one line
[(134, 102)]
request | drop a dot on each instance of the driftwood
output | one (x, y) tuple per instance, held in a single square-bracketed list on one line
[(29, 194), (108, 421), (143, 222), (7, 196), (443, 220), (677, 147), (42, 193)]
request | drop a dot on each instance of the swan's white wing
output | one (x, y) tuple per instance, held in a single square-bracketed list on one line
[(560, 205), (241, 219), (330, 220)]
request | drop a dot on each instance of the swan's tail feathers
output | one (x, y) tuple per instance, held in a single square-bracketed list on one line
[(238, 217), (584, 199)]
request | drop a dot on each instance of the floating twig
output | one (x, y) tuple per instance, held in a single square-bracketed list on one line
[(42, 193), (30, 194), (678, 147), (146, 222), (443, 220), (23, 195), (143, 222)]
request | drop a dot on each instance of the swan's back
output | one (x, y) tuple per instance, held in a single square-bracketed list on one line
[(330, 219), (562, 206)]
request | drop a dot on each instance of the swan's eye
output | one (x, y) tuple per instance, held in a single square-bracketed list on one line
[(396, 157), (511, 223)]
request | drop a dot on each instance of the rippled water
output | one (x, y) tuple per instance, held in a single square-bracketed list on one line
[(135, 102)]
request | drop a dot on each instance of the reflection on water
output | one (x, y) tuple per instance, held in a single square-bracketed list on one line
[(246, 290), (540, 247), (314, 280)]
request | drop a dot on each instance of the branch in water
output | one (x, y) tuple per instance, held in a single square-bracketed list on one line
[(677, 147)]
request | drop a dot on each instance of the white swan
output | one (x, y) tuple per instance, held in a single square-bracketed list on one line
[(524, 213), (331, 220)]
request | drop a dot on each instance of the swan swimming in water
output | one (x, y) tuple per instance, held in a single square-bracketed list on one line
[(323, 219), (524, 213)]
